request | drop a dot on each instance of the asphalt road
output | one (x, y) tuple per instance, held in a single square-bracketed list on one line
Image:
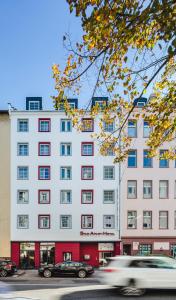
[(91, 289), (112, 294)]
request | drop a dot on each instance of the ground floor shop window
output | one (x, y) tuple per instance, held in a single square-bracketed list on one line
[(27, 254), (145, 249), (173, 250), (47, 253)]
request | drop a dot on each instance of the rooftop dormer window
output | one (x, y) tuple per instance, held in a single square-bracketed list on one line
[(33, 103)]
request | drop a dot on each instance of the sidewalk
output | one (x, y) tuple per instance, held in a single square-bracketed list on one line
[(32, 275)]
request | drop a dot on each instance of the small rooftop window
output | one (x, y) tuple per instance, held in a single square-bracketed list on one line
[(33, 103)]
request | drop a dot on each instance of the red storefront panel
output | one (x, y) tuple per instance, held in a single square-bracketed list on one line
[(91, 250), (61, 248), (37, 255), (15, 252), (117, 248)]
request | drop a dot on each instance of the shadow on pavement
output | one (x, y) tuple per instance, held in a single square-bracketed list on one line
[(113, 294)]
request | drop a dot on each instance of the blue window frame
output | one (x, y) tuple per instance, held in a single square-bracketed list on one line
[(23, 173), (147, 161), (132, 159), (163, 163), (23, 149)]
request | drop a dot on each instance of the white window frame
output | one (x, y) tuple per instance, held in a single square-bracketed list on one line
[(106, 172), (132, 219), (36, 105), (26, 218), (147, 219), (66, 147), (24, 199), (166, 186), (111, 199), (132, 184), (69, 221), (66, 177), (163, 216), (18, 125), (64, 196), (47, 196), (108, 127), (66, 122), (147, 188), (87, 196), (109, 222)]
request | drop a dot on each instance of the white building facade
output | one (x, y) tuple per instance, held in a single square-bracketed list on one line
[(64, 194), (148, 206)]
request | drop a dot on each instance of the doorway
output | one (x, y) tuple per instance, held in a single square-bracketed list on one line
[(103, 257), (127, 249), (27, 255)]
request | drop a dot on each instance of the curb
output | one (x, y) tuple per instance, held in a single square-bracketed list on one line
[(19, 274)]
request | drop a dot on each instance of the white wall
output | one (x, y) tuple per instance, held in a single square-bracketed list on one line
[(55, 209)]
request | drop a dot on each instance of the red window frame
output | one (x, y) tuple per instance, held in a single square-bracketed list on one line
[(82, 221), (39, 191), (39, 172), (44, 143), (44, 119), (88, 119), (39, 221), (92, 191), (87, 143), (82, 172)]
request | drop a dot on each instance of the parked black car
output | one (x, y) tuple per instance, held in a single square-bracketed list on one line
[(7, 267), (68, 267)]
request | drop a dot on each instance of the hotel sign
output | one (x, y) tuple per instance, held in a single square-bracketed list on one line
[(93, 233)]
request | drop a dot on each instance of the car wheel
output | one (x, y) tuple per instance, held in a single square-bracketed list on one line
[(47, 273), (132, 290), (82, 274), (3, 273)]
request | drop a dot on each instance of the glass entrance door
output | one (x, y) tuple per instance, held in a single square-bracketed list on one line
[(47, 253), (27, 255), (103, 257)]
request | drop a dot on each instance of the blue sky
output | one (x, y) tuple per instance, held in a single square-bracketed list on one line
[(31, 41)]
